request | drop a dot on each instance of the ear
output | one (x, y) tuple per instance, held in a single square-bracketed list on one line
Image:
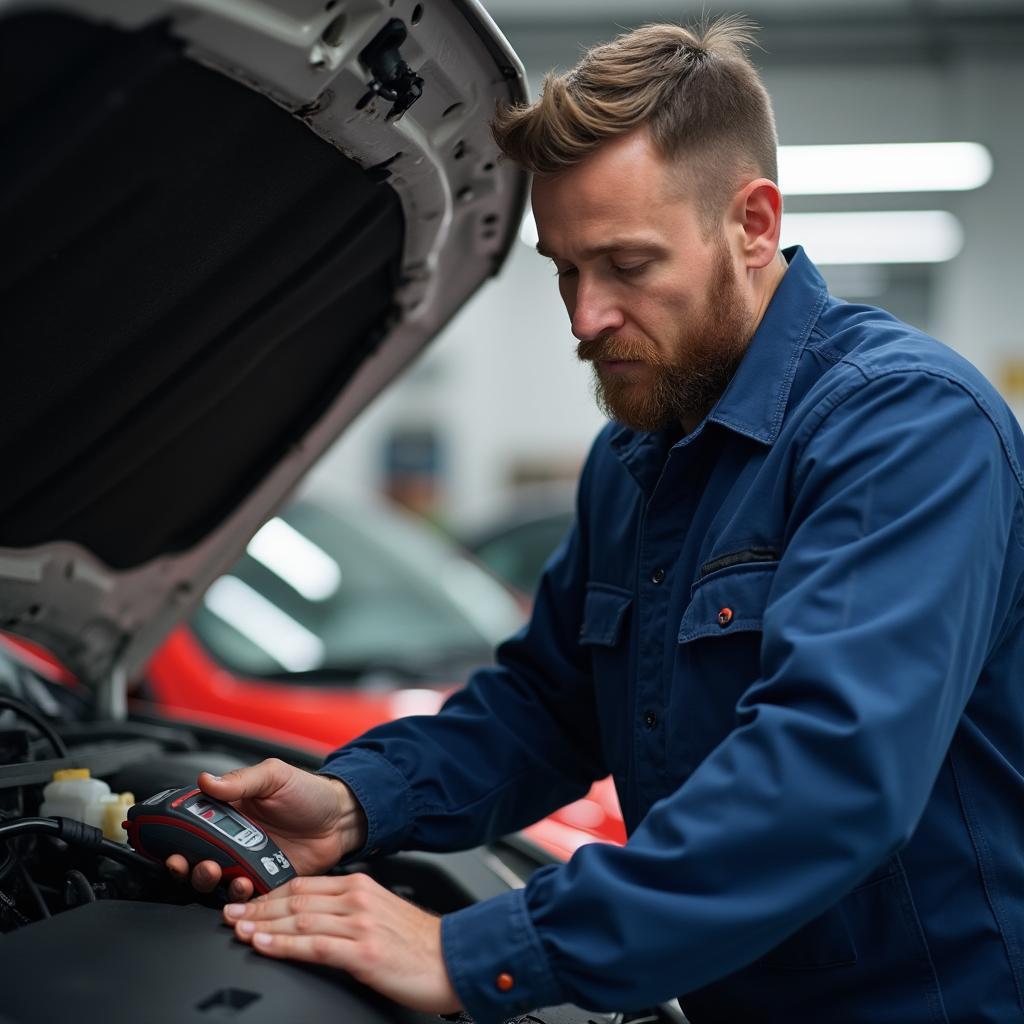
[(757, 212)]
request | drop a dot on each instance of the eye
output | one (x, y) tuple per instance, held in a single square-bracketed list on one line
[(560, 273), (631, 271)]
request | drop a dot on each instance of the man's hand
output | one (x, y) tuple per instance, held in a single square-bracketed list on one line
[(351, 922), (315, 819)]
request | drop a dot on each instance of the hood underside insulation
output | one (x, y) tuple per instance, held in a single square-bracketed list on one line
[(189, 277)]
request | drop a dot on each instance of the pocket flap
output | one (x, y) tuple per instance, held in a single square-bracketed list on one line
[(604, 611), (730, 601)]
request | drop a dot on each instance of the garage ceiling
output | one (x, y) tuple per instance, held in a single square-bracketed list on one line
[(799, 32), (766, 10)]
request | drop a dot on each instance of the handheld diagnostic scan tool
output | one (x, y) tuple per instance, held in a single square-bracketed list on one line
[(189, 822)]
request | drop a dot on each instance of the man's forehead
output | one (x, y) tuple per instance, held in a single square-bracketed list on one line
[(618, 243), (621, 192), (589, 226)]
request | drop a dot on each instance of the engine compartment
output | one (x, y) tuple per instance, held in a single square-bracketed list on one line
[(122, 940), (115, 938)]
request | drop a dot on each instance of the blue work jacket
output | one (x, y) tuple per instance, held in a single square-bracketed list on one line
[(794, 638)]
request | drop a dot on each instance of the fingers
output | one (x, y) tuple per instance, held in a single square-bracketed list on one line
[(177, 865), (317, 949), (205, 875), (270, 910), (260, 780), (309, 927), (354, 924), (299, 924), (240, 889), (334, 894), (257, 780)]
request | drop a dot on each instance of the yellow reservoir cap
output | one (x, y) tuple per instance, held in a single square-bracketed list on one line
[(63, 774)]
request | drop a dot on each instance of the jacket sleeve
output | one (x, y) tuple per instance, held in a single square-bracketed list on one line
[(519, 741), (884, 604)]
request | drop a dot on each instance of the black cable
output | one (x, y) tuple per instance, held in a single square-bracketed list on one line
[(29, 713), (76, 833), (13, 851), (34, 889)]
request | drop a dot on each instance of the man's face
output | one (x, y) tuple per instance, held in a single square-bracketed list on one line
[(657, 307)]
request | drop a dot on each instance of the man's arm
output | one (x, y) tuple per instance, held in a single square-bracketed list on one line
[(519, 741), (891, 585)]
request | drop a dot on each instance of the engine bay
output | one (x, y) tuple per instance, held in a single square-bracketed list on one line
[(129, 939), (117, 938)]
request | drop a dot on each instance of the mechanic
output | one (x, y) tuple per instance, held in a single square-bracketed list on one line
[(787, 621)]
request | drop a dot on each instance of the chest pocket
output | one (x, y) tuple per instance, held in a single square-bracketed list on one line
[(729, 601)]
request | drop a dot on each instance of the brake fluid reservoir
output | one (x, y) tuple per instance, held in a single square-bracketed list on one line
[(115, 810), (73, 794)]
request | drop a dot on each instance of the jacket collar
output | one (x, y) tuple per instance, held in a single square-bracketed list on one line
[(754, 402)]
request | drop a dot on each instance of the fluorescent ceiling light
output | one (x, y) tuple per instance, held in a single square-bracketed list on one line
[(303, 565), (897, 236), (288, 642), (897, 167)]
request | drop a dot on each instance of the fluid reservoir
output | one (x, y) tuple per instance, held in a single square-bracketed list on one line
[(74, 794), (115, 810)]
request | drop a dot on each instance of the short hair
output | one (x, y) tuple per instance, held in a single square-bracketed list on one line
[(695, 90)]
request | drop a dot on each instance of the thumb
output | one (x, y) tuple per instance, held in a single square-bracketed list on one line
[(260, 780)]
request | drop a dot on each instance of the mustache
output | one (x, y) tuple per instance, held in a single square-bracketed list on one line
[(614, 349)]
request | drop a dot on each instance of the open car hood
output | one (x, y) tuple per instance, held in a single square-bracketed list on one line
[(227, 226)]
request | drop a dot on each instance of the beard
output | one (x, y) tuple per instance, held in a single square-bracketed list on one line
[(684, 385)]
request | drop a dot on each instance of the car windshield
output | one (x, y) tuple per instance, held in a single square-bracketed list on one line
[(517, 553), (344, 591)]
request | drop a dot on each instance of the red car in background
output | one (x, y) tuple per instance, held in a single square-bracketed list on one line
[(342, 616)]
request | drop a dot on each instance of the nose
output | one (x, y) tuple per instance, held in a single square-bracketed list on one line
[(593, 311)]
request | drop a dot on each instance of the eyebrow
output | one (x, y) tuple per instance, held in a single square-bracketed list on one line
[(615, 245)]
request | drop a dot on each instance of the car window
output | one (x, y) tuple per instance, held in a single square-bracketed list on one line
[(518, 554), (346, 592)]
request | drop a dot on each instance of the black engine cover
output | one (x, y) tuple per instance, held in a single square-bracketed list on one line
[(156, 964), (123, 961)]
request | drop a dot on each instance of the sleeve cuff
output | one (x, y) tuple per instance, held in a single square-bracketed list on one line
[(382, 791), (495, 959)]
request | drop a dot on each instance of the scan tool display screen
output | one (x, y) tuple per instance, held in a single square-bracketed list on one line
[(219, 819)]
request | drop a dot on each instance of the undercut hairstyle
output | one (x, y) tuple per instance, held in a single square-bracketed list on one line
[(695, 90)]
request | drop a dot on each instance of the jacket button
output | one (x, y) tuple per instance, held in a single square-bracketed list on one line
[(725, 617), (658, 575), (504, 982), (650, 719)]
